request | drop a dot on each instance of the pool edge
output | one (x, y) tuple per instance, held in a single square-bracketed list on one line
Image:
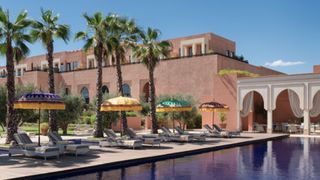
[(132, 162)]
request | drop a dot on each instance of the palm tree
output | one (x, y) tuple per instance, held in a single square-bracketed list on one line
[(46, 30), (95, 38), (150, 52), (122, 32), (13, 45)]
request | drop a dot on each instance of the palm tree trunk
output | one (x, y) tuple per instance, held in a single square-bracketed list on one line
[(12, 125), (99, 129), (120, 90), (52, 114), (152, 101)]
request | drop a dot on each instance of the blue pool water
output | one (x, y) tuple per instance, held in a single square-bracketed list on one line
[(290, 158)]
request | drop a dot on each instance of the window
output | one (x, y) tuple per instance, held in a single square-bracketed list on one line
[(227, 53), (67, 91), (179, 52), (231, 54), (198, 49), (75, 65), (61, 67), (68, 67), (126, 90), (91, 63), (85, 94), (205, 48), (19, 72), (190, 51), (105, 89)]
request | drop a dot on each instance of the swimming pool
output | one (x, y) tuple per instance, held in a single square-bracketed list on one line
[(289, 158)]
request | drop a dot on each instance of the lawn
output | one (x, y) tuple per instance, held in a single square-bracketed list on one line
[(34, 129)]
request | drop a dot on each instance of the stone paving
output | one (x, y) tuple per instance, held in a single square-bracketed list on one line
[(19, 166)]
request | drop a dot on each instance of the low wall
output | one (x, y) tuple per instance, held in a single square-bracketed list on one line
[(133, 122)]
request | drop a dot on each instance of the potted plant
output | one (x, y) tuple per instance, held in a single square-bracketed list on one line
[(222, 117), (44, 127)]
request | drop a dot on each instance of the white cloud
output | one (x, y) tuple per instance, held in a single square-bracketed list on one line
[(281, 63)]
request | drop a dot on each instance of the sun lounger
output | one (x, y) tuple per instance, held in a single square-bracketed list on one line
[(146, 139), (67, 146), (26, 147), (196, 137), (231, 133), (114, 141), (169, 136), (214, 133)]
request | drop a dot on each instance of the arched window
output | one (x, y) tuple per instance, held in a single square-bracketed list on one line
[(105, 89), (146, 92), (67, 91), (126, 90), (85, 94)]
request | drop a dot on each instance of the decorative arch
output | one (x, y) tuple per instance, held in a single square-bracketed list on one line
[(85, 94), (314, 90), (299, 90), (126, 90), (262, 91)]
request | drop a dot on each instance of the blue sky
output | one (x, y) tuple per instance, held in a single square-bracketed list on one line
[(284, 35)]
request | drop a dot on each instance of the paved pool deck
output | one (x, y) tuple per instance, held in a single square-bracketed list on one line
[(102, 158)]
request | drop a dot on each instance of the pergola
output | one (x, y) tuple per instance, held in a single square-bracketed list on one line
[(305, 86)]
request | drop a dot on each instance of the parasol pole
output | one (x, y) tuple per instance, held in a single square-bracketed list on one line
[(39, 126), (173, 129)]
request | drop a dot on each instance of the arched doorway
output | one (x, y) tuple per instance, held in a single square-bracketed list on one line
[(105, 89), (126, 90), (85, 94), (253, 118), (315, 112), (146, 92), (287, 116)]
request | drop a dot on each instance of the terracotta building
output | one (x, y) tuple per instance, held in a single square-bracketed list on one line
[(192, 68)]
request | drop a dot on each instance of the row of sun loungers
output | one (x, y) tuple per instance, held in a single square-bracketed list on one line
[(58, 146), (216, 131), (113, 140), (26, 147)]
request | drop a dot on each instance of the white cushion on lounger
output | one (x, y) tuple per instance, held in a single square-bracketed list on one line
[(44, 149), (152, 141), (77, 148)]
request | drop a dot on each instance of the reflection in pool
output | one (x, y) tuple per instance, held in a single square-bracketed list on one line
[(290, 158)]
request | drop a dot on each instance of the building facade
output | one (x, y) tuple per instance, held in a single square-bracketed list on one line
[(192, 68)]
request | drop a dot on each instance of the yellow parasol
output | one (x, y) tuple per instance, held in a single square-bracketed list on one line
[(121, 104)]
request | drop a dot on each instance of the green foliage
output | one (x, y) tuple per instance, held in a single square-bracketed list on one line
[(107, 117), (48, 28), (185, 118), (131, 114), (44, 126), (74, 108), (145, 107), (223, 72), (222, 117), (22, 115)]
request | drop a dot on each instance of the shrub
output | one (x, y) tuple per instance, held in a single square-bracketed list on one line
[(223, 72)]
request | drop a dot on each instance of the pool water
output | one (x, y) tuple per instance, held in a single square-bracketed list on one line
[(290, 158)]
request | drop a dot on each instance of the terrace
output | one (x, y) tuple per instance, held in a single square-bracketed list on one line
[(99, 158)]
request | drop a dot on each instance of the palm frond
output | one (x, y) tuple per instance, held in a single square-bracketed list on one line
[(81, 35)]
